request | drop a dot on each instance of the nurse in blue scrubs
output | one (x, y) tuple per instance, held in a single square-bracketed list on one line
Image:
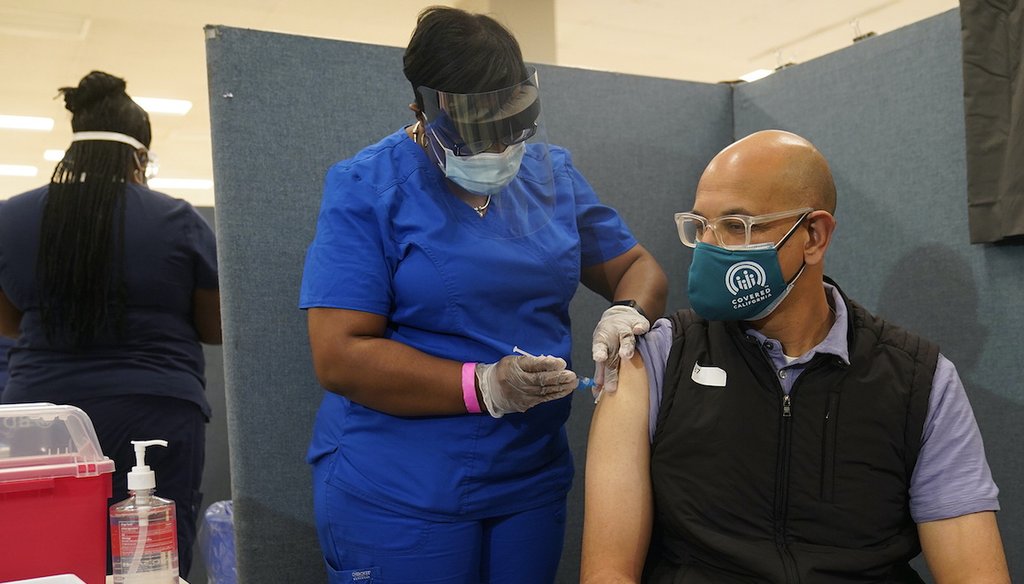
[(438, 454)]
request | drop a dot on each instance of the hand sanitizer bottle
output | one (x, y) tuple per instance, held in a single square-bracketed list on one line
[(143, 529)]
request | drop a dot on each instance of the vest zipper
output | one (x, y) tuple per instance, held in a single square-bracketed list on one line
[(782, 474), (782, 489)]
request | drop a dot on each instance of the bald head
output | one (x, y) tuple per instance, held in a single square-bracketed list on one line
[(769, 171)]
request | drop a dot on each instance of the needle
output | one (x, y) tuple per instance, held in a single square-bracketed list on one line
[(584, 382)]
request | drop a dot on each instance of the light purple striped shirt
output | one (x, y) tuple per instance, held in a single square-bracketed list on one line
[(952, 477)]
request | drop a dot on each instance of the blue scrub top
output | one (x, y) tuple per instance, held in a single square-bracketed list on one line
[(389, 241)]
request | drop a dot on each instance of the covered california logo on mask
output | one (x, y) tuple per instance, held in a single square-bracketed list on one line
[(749, 278), (745, 283), (742, 284)]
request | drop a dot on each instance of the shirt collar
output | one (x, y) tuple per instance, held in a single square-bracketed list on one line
[(835, 342)]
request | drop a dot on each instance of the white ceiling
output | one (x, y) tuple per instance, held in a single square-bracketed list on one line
[(158, 47)]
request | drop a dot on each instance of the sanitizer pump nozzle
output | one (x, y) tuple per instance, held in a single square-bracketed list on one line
[(141, 476)]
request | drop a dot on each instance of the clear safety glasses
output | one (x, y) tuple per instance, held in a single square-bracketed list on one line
[(732, 231), (471, 123)]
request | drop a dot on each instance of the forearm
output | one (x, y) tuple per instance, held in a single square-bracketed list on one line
[(645, 282), (393, 378), (965, 550)]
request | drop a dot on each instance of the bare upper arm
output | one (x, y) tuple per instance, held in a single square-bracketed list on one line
[(965, 549), (602, 278), (331, 327), (206, 315), (634, 275), (618, 499), (331, 333), (10, 317)]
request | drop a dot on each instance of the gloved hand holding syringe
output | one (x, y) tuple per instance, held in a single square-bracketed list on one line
[(582, 383), (521, 381)]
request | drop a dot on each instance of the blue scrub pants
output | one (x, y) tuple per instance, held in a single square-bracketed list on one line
[(364, 543)]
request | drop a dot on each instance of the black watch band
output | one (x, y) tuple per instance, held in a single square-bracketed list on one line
[(632, 304)]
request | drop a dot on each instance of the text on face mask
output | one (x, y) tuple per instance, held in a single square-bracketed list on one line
[(752, 298)]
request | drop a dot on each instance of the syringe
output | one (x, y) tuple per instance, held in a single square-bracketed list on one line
[(584, 382)]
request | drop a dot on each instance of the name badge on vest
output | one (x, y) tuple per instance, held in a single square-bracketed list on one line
[(709, 376)]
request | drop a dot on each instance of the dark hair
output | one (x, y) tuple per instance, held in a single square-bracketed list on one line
[(458, 52), (80, 266)]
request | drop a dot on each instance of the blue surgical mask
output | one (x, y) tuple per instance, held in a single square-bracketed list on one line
[(738, 284), (485, 173)]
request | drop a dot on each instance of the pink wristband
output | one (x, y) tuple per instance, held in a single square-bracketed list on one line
[(469, 388)]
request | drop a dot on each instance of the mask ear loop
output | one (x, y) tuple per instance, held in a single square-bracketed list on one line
[(792, 230), (803, 264), (139, 174)]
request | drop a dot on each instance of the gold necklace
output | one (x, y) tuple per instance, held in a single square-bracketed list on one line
[(482, 209)]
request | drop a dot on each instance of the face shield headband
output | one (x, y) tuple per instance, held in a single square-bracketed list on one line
[(471, 123), (148, 170), (108, 137)]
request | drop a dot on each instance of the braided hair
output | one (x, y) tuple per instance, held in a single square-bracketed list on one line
[(80, 266)]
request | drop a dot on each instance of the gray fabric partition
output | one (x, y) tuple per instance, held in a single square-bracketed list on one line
[(888, 114), (283, 108)]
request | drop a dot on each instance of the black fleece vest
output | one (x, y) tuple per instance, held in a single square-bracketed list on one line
[(750, 486)]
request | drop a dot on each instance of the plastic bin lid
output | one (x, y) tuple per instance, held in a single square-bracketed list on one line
[(43, 440)]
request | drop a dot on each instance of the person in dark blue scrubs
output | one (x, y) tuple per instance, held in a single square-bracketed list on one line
[(439, 453), (5, 345), (109, 288)]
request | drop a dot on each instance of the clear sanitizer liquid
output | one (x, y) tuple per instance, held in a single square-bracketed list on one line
[(143, 529), (144, 540)]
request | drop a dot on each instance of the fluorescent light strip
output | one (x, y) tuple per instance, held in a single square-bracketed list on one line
[(180, 183), (26, 123), (53, 155), (756, 74), (18, 170), (160, 105)]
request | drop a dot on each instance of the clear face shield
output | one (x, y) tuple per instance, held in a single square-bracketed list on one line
[(493, 144)]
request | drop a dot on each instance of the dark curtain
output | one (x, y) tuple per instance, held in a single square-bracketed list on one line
[(994, 110)]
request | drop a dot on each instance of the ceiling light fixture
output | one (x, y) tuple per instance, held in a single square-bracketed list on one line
[(26, 123), (181, 183), (53, 155), (18, 170), (160, 105), (756, 74)]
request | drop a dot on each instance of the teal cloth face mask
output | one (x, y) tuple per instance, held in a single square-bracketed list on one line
[(738, 284)]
